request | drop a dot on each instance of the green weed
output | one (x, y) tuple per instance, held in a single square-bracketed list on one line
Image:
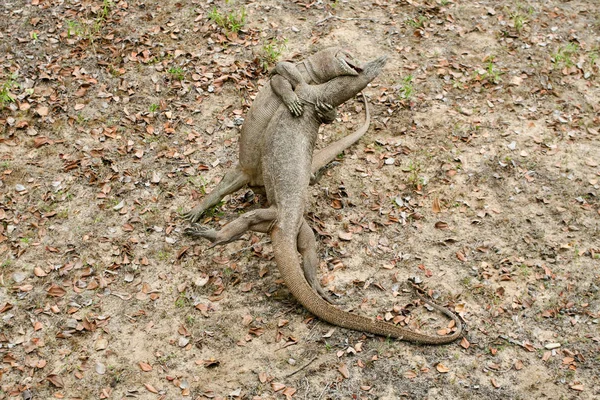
[(177, 73), (232, 21), (418, 22), (407, 88), (564, 54), (5, 95), (491, 73), (271, 52)]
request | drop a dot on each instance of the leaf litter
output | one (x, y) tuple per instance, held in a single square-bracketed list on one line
[(116, 114)]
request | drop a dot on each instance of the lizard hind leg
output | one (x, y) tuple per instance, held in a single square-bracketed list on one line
[(233, 180), (257, 220)]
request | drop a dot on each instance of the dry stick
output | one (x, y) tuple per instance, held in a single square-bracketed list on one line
[(302, 367), (324, 389), (331, 16)]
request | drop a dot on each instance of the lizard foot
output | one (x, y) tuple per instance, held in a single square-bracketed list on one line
[(326, 113), (294, 104), (201, 231), (316, 177), (193, 215)]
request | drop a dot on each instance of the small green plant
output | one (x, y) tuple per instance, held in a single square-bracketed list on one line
[(181, 300), (163, 255), (5, 264), (34, 36), (232, 21), (414, 178), (418, 22), (520, 16), (106, 6), (491, 73), (5, 95), (406, 88), (190, 320), (153, 107), (271, 52), (25, 240), (177, 73), (563, 55), (74, 28), (593, 58)]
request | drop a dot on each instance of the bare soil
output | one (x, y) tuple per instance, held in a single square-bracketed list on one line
[(479, 178)]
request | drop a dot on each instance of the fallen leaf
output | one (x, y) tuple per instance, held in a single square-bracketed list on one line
[(42, 111), (518, 365), (347, 236), (577, 386), (39, 272), (441, 225), (435, 207), (56, 380), (410, 374), (151, 388), (145, 366), (4, 307), (442, 368), (56, 291), (465, 343), (343, 368), (277, 386)]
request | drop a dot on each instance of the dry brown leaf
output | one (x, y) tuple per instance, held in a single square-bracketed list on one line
[(56, 291), (262, 377), (56, 380), (465, 343), (518, 365), (289, 392), (39, 272), (276, 386), (494, 383), (410, 374), (435, 206), (441, 225), (4, 307), (577, 386), (347, 236), (151, 388), (42, 111), (442, 368), (343, 368), (145, 366)]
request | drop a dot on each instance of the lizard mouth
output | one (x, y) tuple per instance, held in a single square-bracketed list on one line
[(349, 67)]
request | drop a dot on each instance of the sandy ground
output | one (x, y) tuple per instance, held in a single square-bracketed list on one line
[(479, 178)]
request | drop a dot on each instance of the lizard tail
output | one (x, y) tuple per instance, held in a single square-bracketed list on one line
[(329, 153), (284, 245)]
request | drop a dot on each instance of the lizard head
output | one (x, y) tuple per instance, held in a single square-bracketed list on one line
[(330, 63)]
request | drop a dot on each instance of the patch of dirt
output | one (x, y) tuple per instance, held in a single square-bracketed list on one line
[(479, 176)]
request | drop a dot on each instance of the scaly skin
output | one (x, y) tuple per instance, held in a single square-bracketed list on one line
[(286, 160)]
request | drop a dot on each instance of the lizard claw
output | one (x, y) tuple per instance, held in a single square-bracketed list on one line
[(192, 215), (294, 104), (201, 231)]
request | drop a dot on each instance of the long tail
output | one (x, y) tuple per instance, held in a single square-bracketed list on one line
[(284, 245), (329, 153)]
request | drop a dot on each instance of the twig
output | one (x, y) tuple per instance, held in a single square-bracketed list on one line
[(302, 367), (324, 389), (331, 16)]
